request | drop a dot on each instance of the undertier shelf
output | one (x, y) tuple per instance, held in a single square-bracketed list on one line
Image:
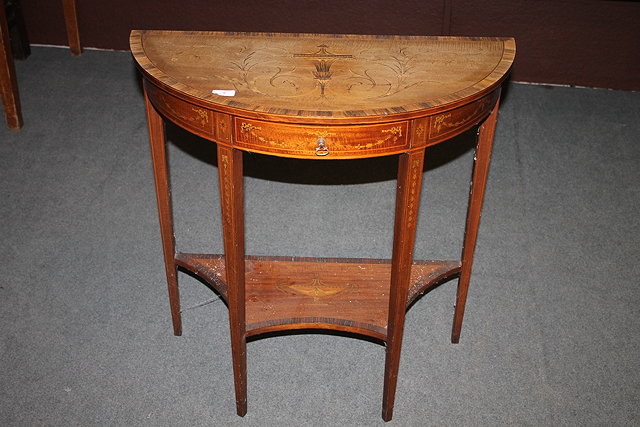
[(283, 293)]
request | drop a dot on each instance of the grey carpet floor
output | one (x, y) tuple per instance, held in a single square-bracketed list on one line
[(551, 335)]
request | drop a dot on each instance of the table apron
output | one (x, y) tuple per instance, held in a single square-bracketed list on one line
[(313, 141)]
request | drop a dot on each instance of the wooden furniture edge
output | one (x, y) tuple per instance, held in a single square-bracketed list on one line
[(492, 81)]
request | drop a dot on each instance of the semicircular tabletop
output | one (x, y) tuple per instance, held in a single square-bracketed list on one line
[(316, 75)]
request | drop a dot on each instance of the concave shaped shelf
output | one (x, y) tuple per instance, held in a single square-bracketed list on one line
[(283, 293)]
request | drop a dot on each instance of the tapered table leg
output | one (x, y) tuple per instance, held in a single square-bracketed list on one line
[(163, 195), (71, 23), (407, 202), (231, 199), (476, 197), (8, 81)]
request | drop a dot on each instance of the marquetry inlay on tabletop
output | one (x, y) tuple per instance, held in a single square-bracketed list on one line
[(309, 75)]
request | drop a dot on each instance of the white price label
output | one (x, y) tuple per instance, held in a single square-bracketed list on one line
[(226, 92)]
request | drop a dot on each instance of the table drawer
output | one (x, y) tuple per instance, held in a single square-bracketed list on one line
[(321, 141)]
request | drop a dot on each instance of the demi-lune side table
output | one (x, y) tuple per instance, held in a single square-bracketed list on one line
[(320, 97)]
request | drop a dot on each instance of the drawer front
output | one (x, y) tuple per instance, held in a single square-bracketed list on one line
[(321, 141)]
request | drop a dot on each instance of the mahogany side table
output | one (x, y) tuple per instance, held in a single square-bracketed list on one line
[(320, 97)]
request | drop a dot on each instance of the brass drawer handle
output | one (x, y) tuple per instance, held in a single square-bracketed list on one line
[(322, 149)]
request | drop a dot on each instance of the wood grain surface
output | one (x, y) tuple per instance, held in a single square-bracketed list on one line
[(320, 75), (310, 293)]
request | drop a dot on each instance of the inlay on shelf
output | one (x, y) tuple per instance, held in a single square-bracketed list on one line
[(343, 294), (321, 97)]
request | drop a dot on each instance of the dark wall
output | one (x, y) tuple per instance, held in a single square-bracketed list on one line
[(593, 43), (578, 42)]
